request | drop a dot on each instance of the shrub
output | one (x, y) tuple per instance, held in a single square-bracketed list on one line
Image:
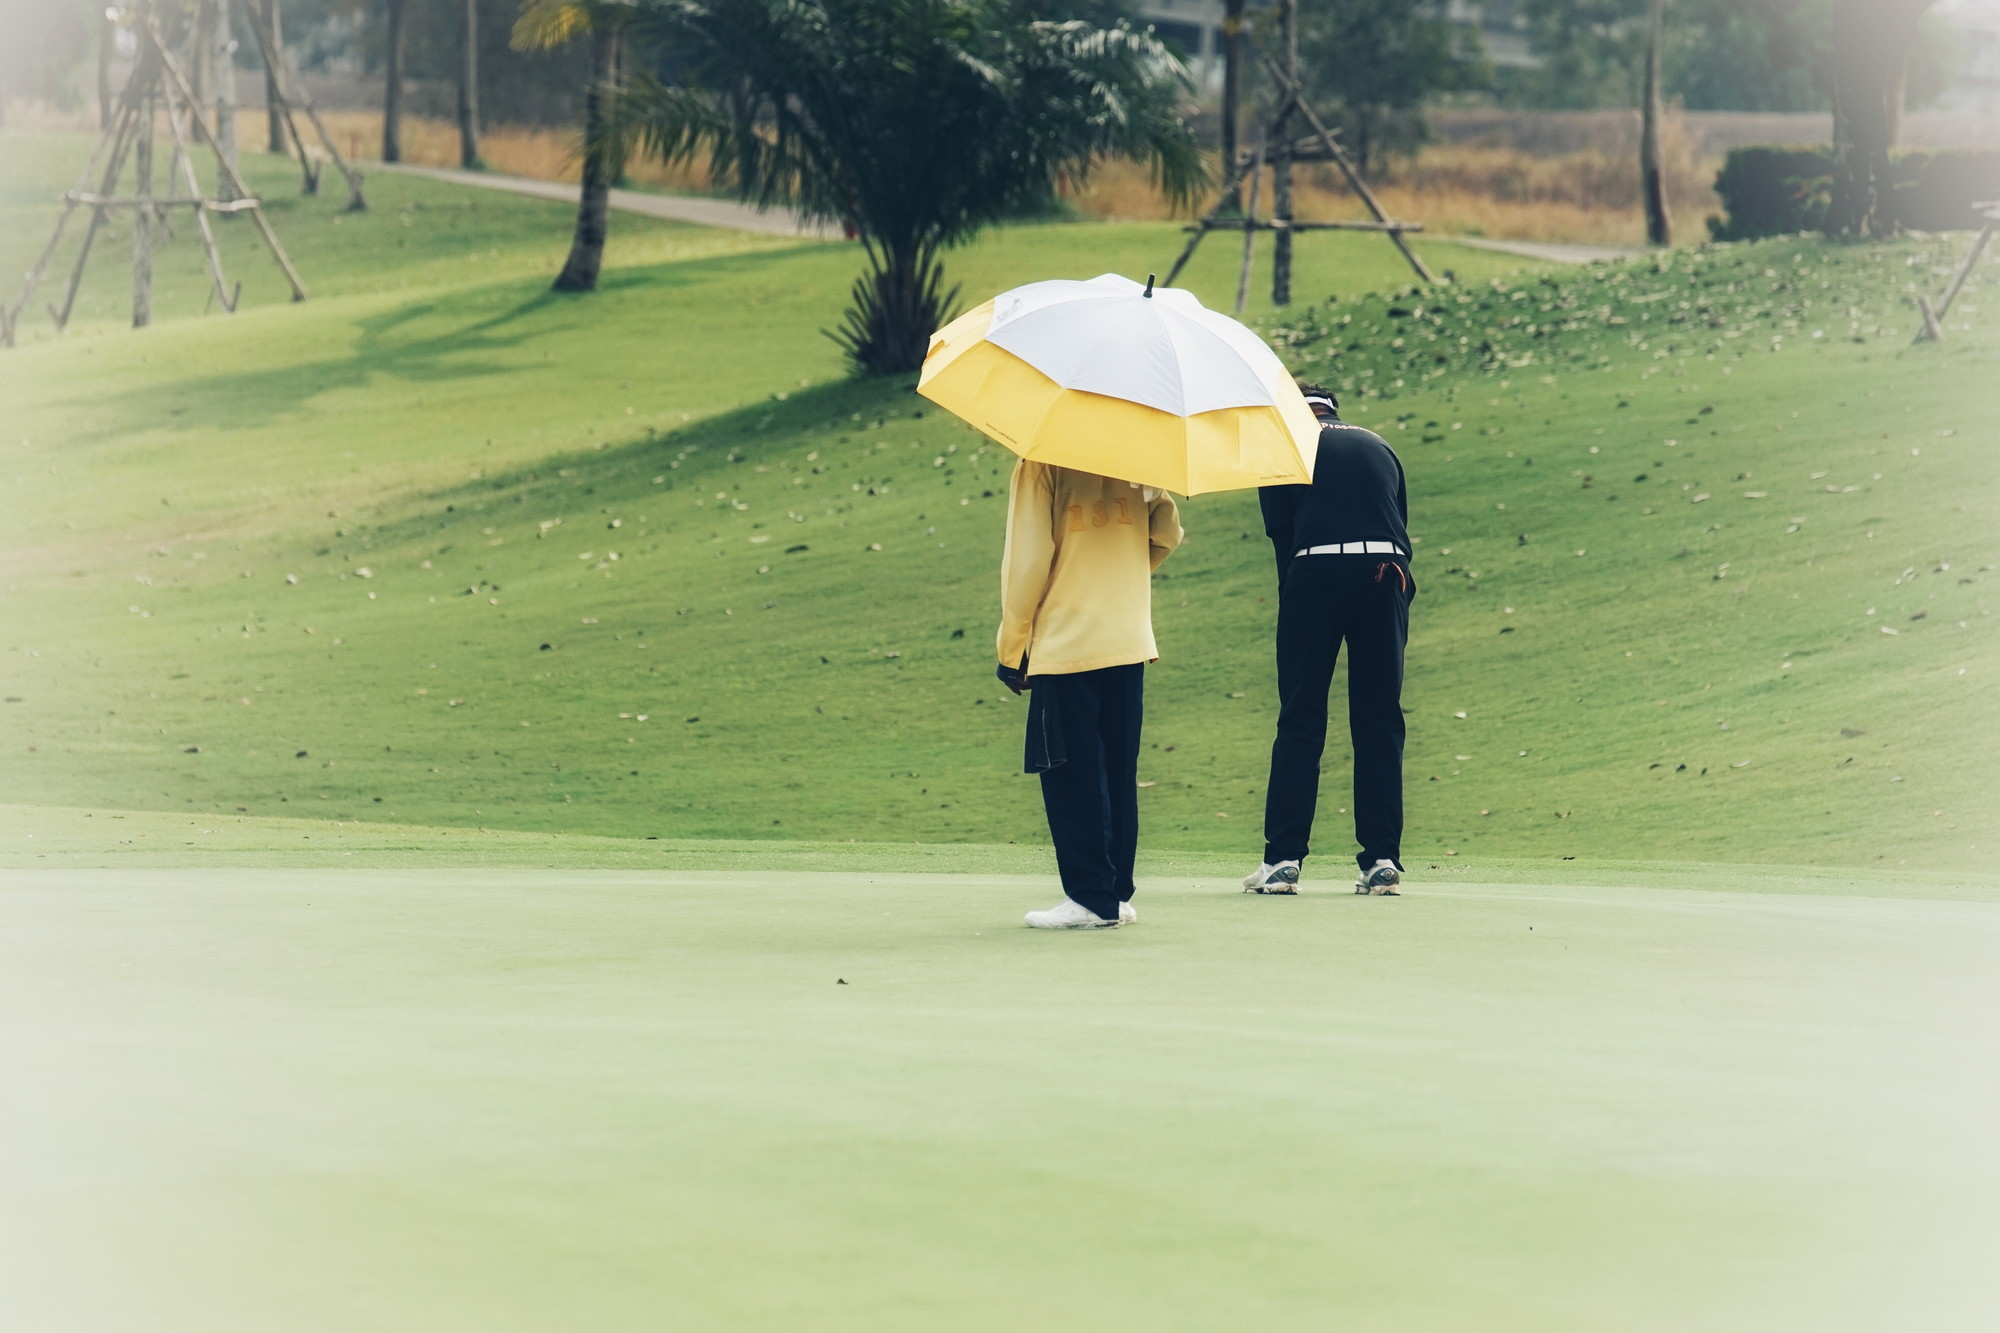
[(1770, 191), (1935, 191)]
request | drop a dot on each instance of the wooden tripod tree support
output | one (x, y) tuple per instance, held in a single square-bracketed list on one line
[(1249, 236), (1321, 146), (156, 84), (284, 80), (1933, 329)]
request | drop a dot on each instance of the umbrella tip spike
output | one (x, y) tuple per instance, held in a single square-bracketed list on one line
[(1149, 283)]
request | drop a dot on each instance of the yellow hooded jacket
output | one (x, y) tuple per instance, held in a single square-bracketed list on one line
[(1076, 581)]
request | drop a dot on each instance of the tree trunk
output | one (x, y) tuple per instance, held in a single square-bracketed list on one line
[(619, 178), (1281, 161), (586, 250), (1232, 95), (142, 220), (107, 41), (894, 308), (468, 90), (275, 140), (1652, 173), (392, 83), (1898, 97), (1871, 44), (190, 33), (1861, 154), (200, 56), (225, 94)]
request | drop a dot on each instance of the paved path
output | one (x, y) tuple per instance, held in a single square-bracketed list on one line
[(783, 222), (1546, 250), (675, 208)]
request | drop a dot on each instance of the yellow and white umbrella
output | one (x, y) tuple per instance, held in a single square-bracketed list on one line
[(1108, 377)]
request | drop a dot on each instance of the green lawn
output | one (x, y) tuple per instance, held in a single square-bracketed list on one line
[(1708, 681), (553, 1100), (413, 916)]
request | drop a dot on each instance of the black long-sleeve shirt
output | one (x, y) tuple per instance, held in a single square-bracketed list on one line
[(1357, 494)]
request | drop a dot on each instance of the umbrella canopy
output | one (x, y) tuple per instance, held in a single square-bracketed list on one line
[(1108, 377)]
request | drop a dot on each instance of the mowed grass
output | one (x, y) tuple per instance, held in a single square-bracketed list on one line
[(646, 564), (494, 1100), (355, 1043)]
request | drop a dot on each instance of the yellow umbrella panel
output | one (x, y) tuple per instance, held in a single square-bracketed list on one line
[(1015, 404)]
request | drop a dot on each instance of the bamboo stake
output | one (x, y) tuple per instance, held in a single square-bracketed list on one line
[(114, 134), (1232, 178), (1292, 100), (1933, 331), (1227, 201), (112, 171), (1238, 224), (1965, 269), (1291, 88), (357, 202), (235, 179), (280, 108), (200, 214), (1249, 232), (285, 76), (170, 201), (308, 169), (142, 221)]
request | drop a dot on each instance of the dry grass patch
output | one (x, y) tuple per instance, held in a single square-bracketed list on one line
[(516, 150), (1589, 197)]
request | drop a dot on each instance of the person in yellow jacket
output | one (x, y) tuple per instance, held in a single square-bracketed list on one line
[(1076, 629)]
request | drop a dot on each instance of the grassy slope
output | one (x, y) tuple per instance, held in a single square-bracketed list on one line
[(464, 1097), (188, 472)]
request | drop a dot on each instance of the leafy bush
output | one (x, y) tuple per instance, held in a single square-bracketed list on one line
[(1768, 191), (1935, 191)]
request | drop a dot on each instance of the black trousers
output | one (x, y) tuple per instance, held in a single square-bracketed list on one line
[(1083, 738), (1366, 602)]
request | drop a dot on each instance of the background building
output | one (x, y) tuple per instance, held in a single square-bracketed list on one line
[(1977, 88), (1195, 26)]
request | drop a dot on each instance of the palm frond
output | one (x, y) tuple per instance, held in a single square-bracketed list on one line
[(543, 24), (914, 122)]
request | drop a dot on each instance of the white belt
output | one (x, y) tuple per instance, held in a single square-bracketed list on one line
[(1354, 548)]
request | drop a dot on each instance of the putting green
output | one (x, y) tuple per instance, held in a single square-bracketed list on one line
[(500, 1099)]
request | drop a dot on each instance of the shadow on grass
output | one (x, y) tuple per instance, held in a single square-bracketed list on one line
[(254, 399), (472, 345), (704, 449)]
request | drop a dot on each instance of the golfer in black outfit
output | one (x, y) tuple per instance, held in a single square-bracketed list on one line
[(1343, 549)]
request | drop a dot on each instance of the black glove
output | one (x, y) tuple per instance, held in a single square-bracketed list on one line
[(1014, 678)]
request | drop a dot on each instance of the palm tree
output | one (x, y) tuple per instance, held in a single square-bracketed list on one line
[(468, 86), (911, 123), (549, 23), (392, 80)]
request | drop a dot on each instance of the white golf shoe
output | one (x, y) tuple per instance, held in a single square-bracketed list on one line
[(1070, 915), (1282, 878), (1383, 880), (1127, 914)]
